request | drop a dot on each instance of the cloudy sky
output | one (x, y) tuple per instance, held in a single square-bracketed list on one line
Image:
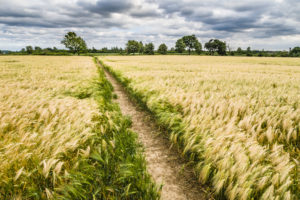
[(261, 24)]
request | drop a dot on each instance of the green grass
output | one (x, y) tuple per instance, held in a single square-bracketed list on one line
[(116, 168)]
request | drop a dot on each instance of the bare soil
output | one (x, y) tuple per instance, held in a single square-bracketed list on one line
[(163, 162)]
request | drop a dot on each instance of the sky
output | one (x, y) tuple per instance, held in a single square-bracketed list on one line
[(260, 24)]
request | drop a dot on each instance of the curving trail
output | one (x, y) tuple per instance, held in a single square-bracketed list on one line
[(163, 162)]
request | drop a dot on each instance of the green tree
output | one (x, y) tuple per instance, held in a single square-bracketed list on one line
[(295, 51), (29, 49), (284, 54), (262, 53), (141, 47), (0, 52), (132, 46), (239, 51), (162, 49), (104, 50), (74, 43), (180, 46), (191, 42), (215, 45), (37, 50), (198, 47), (248, 52), (221, 47), (149, 49)]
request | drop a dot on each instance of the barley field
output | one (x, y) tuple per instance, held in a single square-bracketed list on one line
[(236, 118), (62, 137)]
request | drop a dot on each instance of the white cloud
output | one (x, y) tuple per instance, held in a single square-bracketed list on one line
[(259, 23)]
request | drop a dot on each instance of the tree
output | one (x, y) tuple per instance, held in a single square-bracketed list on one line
[(0, 52), (249, 52), (37, 50), (221, 47), (215, 45), (295, 51), (191, 42), (211, 46), (29, 49), (262, 53), (104, 50), (180, 46), (162, 49), (74, 43), (149, 49), (132, 46), (141, 47), (198, 47), (239, 51)]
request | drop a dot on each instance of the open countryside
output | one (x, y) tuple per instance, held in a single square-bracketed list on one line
[(149, 100)]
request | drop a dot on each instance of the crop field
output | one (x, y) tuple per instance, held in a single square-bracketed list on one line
[(62, 137), (236, 118)]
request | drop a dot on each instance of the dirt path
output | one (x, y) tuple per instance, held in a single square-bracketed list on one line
[(164, 164)]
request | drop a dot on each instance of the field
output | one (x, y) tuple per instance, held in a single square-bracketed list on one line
[(62, 137), (236, 118)]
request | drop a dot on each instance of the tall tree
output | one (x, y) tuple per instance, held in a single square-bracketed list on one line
[(239, 51), (215, 45), (149, 49), (162, 49), (180, 46), (198, 48), (191, 42), (295, 51), (74, 43), (37, 50), (249, 52), (132, 46), (141, 47), (221, 47), (29, 49)]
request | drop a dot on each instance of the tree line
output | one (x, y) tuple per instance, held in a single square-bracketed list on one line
[(188, 44)]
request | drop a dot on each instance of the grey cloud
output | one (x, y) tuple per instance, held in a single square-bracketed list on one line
[(168, 19), (16, 13), (106, 8), (144, 13), (246, 15)]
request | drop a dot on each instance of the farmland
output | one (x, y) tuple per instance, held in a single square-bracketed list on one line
[(237, 119), (62, 137)]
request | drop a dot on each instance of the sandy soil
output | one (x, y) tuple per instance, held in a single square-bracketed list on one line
[(163, 162)]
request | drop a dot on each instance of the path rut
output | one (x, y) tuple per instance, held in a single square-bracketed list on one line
[(163, 162)]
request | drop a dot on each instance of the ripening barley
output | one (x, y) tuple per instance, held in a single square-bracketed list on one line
[(239, 116), (41, 123)]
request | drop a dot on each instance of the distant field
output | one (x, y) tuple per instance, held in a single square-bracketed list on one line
[(238, 118), (62, 137)]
